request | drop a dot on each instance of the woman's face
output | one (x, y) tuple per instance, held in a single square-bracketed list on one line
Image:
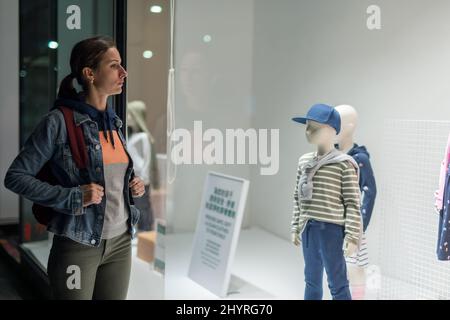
[(110, 75)]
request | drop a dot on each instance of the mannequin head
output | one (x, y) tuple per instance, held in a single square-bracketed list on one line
[(321, 135), (322, 124), (349, 122), (136, 116)]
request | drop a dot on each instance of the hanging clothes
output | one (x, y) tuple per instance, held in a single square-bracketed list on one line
[(439, 194), (443, 251), (442, 201)]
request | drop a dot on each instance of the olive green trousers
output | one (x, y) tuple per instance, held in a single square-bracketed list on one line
[(80, 272)]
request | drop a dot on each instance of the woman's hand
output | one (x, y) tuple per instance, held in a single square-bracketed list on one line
[(92, 194), (137, 187)]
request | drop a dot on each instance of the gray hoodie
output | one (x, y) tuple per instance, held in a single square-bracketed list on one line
[(305, 184)]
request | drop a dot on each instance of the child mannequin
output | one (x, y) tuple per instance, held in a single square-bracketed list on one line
[(326, 218), (358, 263)]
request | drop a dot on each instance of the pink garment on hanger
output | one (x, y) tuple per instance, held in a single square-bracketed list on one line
[(439, 194)]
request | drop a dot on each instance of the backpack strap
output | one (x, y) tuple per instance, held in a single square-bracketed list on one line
[(76, 139)]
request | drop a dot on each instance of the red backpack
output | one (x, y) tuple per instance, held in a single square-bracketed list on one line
[(79, 153)]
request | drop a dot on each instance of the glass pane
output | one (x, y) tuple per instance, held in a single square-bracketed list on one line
[(37, 84)]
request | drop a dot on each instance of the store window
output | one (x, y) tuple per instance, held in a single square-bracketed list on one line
[(257, 64)]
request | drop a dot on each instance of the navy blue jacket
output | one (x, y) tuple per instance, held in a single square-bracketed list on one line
[(367, 183)]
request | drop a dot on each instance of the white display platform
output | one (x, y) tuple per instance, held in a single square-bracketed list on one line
[(268, 266), (145, 284)]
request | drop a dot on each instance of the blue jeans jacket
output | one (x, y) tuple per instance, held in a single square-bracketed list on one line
[(49, 143)]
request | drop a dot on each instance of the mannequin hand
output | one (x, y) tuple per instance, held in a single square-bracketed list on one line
[(349, 248), (137, 187), (295, 238), (437, 210)]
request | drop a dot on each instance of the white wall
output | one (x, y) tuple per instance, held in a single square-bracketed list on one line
[(9, 104)]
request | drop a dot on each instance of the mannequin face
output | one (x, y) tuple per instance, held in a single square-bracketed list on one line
[(349, 121), (130, 121), (319, 134)]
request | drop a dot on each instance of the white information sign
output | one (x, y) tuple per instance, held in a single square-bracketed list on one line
[(217, 233)]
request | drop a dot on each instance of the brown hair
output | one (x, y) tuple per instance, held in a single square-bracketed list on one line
[(86, 53)]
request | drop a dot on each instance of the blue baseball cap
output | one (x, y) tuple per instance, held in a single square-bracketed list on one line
[(322, 113)]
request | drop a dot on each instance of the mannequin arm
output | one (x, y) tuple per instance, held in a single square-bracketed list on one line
[(351, 197), (295, 227), (295, 238), (368, 188), (437, 210), (349, 247)]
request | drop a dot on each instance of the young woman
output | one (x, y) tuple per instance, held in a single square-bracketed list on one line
[(95, 217)]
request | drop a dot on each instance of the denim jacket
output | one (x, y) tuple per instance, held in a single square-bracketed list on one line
[(49, 143)]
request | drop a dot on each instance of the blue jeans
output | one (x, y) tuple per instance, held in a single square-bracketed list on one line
[(322, 248)]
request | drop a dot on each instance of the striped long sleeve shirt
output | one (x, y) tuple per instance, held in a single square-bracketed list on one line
[(335, 199)]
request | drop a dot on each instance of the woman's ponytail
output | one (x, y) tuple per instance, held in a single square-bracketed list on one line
[(66, 89)]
